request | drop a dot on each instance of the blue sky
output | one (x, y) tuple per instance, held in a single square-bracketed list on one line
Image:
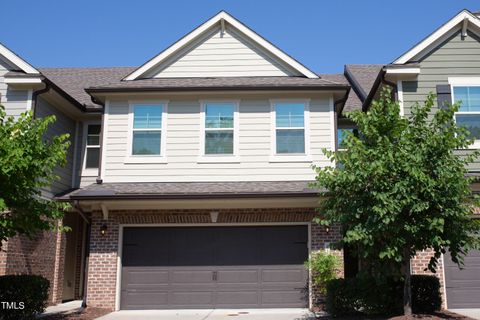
[(323, 35)]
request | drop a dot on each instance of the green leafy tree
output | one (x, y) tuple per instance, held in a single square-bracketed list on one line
[(27, 163), (399, 187)]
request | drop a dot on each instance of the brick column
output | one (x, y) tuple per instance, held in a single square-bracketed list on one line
[(102, 266), (419, 265)]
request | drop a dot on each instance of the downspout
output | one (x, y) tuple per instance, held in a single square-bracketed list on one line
[(77, 208), (35, 95)]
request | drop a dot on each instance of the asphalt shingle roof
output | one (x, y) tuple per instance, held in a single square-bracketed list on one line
[(74, 80), (362, 77), (193, 189)]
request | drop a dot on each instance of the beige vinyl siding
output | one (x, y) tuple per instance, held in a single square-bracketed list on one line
[(183, 144), (456, 57), (62, 125), (218, 54), (14, 101)]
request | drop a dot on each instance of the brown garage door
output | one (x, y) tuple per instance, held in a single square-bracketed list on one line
[(214, 267), (463, 286)]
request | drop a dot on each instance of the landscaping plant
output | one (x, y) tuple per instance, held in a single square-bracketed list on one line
[(27, 164), (399, 187)]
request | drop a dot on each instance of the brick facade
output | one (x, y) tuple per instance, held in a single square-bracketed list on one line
[(42, 255), (419, 265), (102, 272)]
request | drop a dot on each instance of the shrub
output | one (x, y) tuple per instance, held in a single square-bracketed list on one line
[(426, 296), (324, 266), (375, 296), (31, 290)]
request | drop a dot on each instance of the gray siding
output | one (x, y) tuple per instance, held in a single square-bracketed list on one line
[(14, 101), (455, 57), (63, 125)]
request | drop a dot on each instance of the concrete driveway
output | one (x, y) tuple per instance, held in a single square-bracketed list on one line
[(215, 314), (472, 313)]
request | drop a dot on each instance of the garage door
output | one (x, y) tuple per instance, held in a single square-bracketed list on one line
[(214, 267), (463, 286)]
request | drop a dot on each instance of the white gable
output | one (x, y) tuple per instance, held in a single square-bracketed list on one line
[(221, 47), (462, 21), (223, 54), (15, 60)]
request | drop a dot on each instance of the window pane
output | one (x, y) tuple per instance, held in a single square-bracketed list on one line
[(93, 158), (219, 115), (290, 141), (469, 96), (471, 123), (146, 143), (341, 135), (93, 135), (219, 142), (147, 117), (289, 115)]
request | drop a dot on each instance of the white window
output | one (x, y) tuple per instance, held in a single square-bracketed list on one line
[(92, 146), (220, 131), (147, 134), (468, 115), (290, 128)]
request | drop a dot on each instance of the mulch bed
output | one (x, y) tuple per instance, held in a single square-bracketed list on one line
[(439, 315), (86, 314)]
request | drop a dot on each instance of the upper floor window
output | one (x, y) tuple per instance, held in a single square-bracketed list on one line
[(92, 150), (219, 128), (290, 128), (147, 130), (468, 115)]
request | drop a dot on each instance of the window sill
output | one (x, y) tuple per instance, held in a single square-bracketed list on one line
[(218, 159), (290, 158), (144, 160), (90, 172)]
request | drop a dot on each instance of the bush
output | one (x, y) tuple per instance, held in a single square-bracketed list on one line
[(324, 268), (29, 291), (381, 296), (426, 296)]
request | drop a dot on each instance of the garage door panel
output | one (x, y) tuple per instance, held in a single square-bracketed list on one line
[(463, 285), (217, 267)]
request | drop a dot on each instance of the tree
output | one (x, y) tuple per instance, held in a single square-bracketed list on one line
[(400, 188), (27, 164)]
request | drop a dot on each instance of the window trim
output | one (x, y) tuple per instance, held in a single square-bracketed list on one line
[(145, 159), (90, 172), (465, 82), (219, 158), (289, 157)]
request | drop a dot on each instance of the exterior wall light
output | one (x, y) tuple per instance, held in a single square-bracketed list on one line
[(103, 229)]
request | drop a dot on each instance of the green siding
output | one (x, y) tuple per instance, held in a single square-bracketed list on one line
[(456, 57)]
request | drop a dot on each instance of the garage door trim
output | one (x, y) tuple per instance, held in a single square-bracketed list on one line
[(118, 282)]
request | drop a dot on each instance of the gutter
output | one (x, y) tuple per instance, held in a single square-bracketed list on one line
[(341, 101)]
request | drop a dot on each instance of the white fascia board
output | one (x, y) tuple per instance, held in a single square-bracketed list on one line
[(401, 71), (16, 60), (210, 23), (425, 43), (23, 80)]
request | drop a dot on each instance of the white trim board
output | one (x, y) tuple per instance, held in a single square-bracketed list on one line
[(438, 35), (221, 18), (16, 60)]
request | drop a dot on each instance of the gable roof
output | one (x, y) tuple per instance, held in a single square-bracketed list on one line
[(14, 59), (220, 19), (464, 17)]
